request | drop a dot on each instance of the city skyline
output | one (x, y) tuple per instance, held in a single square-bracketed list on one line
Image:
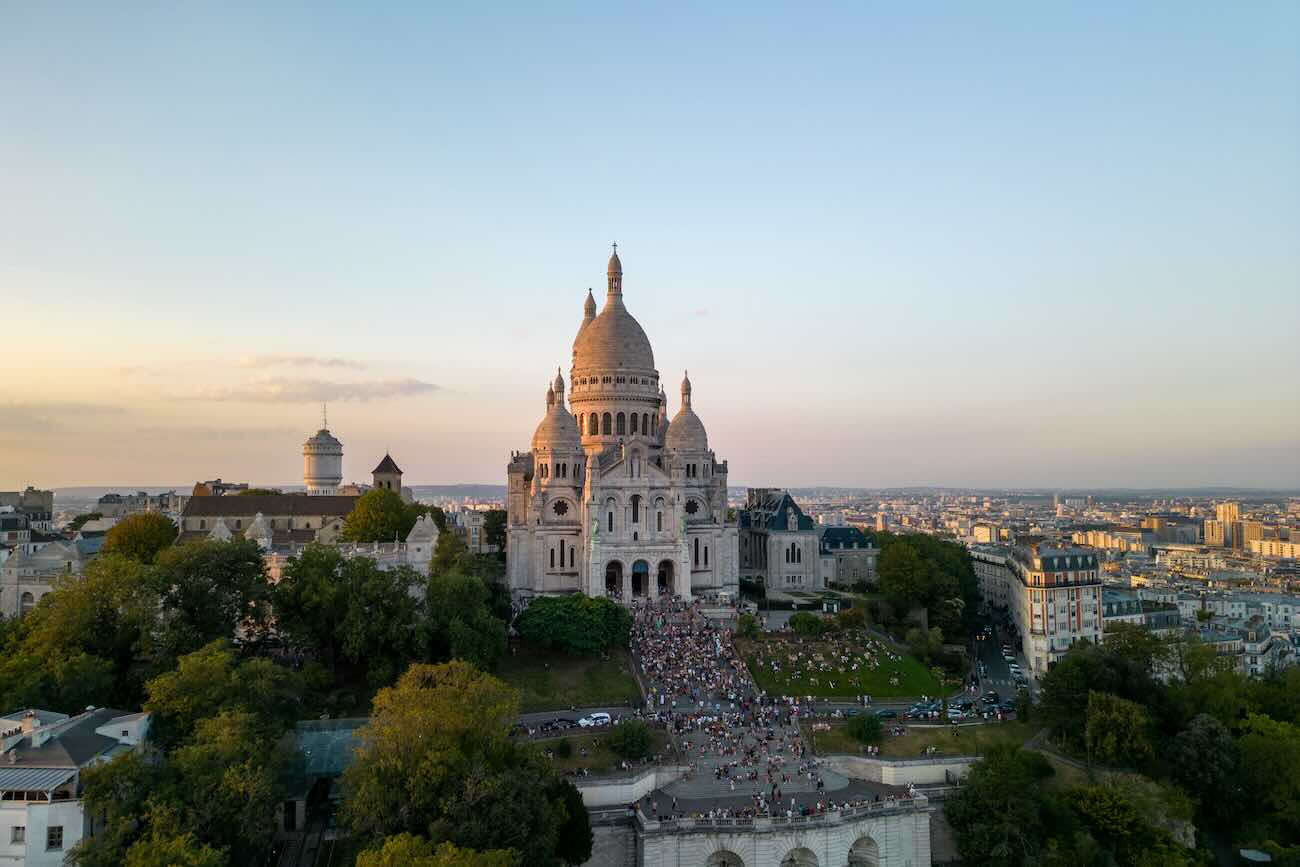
[(1050, 250)]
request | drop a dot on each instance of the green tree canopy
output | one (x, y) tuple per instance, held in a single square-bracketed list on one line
[(407, 850), (1117, 731), (212, 680), (806, 623), (379, 515), (436, 760), (865, 728), (1000, 815), (748, 627), (494, 529), (576, 624), (140, 537), (630, 739), (461, 625), (451, 554), (208, 590)]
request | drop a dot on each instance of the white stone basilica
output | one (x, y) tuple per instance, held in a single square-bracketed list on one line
[(614, 499)]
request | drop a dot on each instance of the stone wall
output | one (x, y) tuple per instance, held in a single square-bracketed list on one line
[(621, 791), (900, 772)]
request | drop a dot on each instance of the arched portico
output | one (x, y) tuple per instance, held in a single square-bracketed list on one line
[(27, 603), (801, 857), (864, 853), (614, 579), (640, 578), (664, 580), (724, 858)]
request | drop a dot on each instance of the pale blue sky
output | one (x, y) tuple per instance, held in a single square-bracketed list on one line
[(981, 244)]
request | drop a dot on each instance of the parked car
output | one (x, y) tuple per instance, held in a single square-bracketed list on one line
[(886, 713), (956, 713), (599, 718), (989, 700)]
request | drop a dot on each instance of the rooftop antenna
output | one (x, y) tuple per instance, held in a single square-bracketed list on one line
[(324, 418)]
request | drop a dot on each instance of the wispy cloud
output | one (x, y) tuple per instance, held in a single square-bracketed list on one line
[(265, 361), (279, 389), (51, 416)]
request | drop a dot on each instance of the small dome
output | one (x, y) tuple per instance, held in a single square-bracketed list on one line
[(589, 306), (686, 431), (558, 430), (615, 264)]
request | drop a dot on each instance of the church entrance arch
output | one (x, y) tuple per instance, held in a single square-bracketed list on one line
[(801, 857), (665, 579), (864, 853), (614, 579), (640, 578)]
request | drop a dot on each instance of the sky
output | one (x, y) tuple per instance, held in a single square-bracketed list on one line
[(1014, 244)]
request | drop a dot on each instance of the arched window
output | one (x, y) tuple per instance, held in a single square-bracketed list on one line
[(571, 547), (697, 551), (636, 509), (553, 558), (582, 424), (659, 521), (787, 555), (706, 555), (621, 424), (633, 423), (593, 425), (645, 422), (611, 522), (606, 424)]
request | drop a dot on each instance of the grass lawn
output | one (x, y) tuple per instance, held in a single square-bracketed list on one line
[(828, 676), (973, 740), (599, 759), (548, 681)]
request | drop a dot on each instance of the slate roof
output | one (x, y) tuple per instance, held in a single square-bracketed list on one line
[(34, 779), (271, 505), (73, 744), (843, 538), (387, 465), (771, 514)]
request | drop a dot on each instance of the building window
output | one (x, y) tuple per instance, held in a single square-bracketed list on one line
[(706, 555), (203, 525), (636, 509), (593, 424), (606, 424), (659, 521), (54, 838), (18, 834), (561, 508), (621, 424), (697, 551), (611, 522), (633, 427), (645, 422), (553, 558)]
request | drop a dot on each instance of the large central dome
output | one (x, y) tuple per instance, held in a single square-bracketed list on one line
[(613, 340)]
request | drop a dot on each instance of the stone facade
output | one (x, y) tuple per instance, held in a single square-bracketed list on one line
[(878, 835), (614, 499)]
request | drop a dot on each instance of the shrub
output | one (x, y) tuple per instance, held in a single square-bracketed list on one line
[(865, 728), (804, 623), (564, 748), (630, 739), (747, 626)]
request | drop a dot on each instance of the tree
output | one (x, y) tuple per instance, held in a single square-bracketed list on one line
[(1000, 814), (460, 623), (1141, 647), (140, 537), (574, 846), (902, 575), (450, 554), (1270, 771), (311, 600), (576, 624), (180, 850), (748, 627), (436, 759), (1203, 759), (851, 618), (494, 529), (407, 850), (82, 520), (260, 492), (865, 728), (1085, 669), (1117, 730), (106, 614), (209, 590), (806, 623), (116, 793), (379, 515), (630, 739), (925, 644), (209, 681), (381, 628)]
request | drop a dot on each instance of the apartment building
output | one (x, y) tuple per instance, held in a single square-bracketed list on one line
[(1055, 600)]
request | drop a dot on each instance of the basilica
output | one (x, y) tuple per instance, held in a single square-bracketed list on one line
[(614, 499)]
